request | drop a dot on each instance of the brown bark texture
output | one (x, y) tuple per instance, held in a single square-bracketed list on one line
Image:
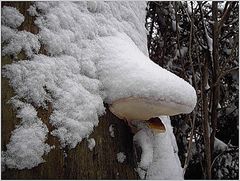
[(62, 163)]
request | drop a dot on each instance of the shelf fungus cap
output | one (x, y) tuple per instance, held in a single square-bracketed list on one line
[(136, 87), (133, 108)]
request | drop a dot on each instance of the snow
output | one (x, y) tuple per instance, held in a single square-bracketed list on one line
[(91, 143), (126, 76), (121, 157), (111, 131), (11, 17), (67, 26), (207, 86), (32, 11), (68, 76), (219, 145), (75, 97), (16, 41), (174, 27), (227, 50), (159, 159), (143, 139), (7, 33), (27, 143), (183, 51), (221, 6), (209, 40), (189, 7), (210, 43), (97, 52), (21, 40)]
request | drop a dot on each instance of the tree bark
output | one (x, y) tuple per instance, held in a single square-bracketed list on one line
[(205, 101), (80, 162), (206, 133), (216, 89)]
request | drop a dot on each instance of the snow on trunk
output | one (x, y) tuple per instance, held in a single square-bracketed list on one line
[(159, 159), (97, 51), (68, 75), (27, 143)]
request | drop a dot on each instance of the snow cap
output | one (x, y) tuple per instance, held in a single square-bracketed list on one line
[(136, 87)]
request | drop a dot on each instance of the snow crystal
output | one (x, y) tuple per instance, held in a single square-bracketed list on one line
[(7, 33), (21, 40), (126, 72), (91, 143), (160, 154), (27, 143), (111, 131), (11, 17), (121, 157)]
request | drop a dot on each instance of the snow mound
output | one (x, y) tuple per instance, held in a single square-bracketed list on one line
[(126, 72), (18, 41), (27, 143), (68, 77), (7, 33), (75, 97), (143, 139), (97, 51), (11, 17), (159, 159)]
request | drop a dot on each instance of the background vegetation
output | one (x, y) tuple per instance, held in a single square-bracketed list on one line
[(199, 41)]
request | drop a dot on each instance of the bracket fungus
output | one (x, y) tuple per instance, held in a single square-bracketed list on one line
[(139, 89)]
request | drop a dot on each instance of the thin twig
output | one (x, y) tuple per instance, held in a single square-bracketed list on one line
[(194, 112)]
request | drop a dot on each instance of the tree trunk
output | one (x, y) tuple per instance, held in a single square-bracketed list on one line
[(206, 131), (77, 163), (216, 89)]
